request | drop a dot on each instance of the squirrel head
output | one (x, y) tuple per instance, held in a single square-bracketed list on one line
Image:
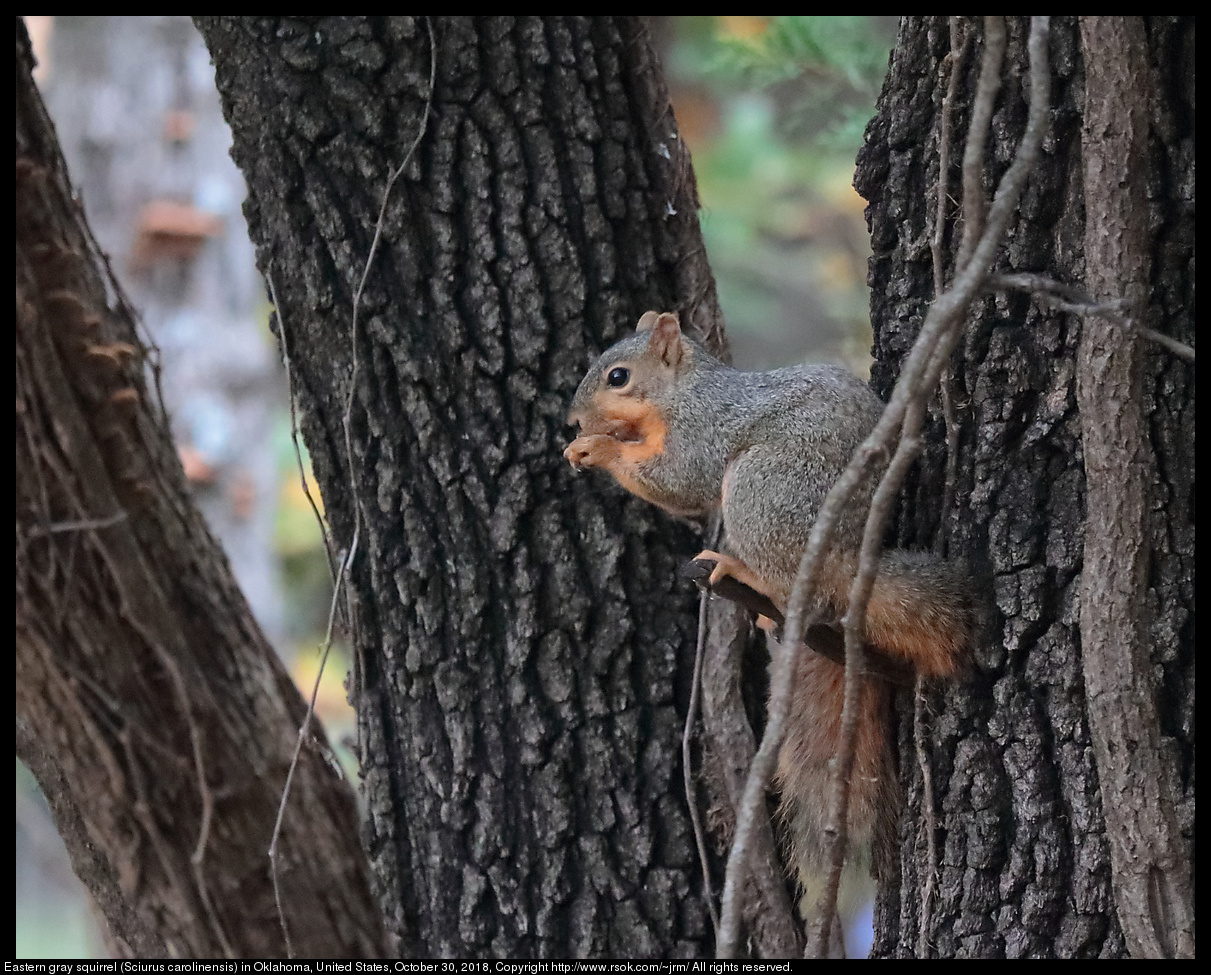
[(633, 376)]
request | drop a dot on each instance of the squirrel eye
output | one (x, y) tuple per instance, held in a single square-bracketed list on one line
[(618, 377)]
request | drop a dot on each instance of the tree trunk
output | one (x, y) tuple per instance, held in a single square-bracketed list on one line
[(155, 716), (1019, 823), (523, 641)]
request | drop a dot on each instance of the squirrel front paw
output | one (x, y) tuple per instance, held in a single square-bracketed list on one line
[(591, 450)]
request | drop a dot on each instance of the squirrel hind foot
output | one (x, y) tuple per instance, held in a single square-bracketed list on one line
[(728, 566)]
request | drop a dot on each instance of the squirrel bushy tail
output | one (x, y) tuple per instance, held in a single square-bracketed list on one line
[(919, 612)]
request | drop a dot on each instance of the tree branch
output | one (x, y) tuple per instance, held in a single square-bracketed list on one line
[(772, 917), (1066, 297), (826, 640), (129, 620), (687, 765)]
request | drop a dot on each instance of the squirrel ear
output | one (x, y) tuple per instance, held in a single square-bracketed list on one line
[(665, 340), (646, 321)]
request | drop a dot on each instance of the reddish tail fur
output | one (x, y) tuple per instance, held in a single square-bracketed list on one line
[(920, 611)]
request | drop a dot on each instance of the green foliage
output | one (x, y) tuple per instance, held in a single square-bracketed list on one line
[(842, 48), (824, 71)]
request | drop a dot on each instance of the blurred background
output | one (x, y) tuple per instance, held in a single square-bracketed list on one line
[(773, 110)]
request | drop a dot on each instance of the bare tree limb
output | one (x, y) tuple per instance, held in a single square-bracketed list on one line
[(771, 915), (825, 639), (149, 704)]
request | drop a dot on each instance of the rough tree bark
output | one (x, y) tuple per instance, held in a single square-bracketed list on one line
[(155, 716), (1023, 857), (524, 642)]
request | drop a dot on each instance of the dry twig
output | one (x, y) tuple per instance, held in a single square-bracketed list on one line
[(687, 767), (1066, 297)]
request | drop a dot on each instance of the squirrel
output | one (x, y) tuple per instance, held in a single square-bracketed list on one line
[(686, 432)]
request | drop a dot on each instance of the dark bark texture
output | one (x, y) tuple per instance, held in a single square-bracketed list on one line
[(1023, 862), (155, 716), (523, 638)]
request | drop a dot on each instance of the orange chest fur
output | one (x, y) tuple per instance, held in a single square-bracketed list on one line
[(640, 431)]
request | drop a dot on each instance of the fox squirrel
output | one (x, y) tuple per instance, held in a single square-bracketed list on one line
[(680, 429)]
